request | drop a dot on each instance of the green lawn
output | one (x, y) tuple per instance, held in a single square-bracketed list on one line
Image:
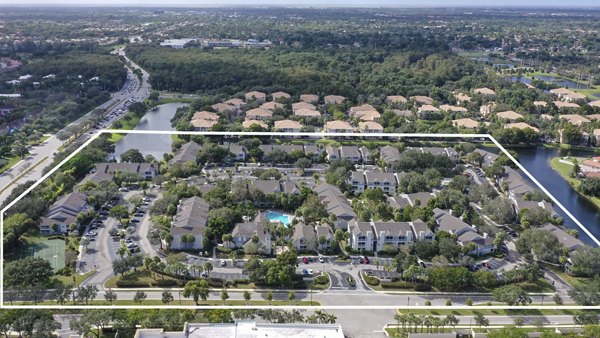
[(492, 312), (68, 280), (39, 141), (142, 278), (126, 125), (11, 163), (565, 171)]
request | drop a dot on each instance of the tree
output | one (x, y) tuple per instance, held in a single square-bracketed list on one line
[(542, 243), (586, 293), (139, 297), (449, 278), (90, 320), (585, 318), (485, 279), (247, 296), (167, 297), (269, 296), (197, 290), (138, 108), (291, 296), (508, 332), (312, 209), (224, 295), (480, 319), (62, 294), (132, 156), (119, 212), (110, 296), (512, 295), (27, 272), (500, 210), (585, 261), (208, 267)]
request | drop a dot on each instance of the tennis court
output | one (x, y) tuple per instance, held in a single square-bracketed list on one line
[(52, 250)]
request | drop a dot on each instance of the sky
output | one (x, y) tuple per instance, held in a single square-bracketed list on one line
[(315, 3)]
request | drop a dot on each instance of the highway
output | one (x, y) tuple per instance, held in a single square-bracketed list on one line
[(32, 167)]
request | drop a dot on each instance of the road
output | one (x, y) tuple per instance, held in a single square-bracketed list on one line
[(41, 156)]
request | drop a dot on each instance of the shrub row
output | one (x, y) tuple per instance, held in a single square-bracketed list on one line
[(371, 280), (322, 280)]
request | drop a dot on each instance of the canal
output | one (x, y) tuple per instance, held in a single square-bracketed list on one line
[(537, 162), (155, 145)]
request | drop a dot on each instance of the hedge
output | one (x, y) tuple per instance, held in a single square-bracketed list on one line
[(131, 284), (371, 280), (168, 282), (321, 280), (397, 285), (423, 287)]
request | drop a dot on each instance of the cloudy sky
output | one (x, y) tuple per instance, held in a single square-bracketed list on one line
[(315, 3)]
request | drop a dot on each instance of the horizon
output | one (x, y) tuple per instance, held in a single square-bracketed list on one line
[(413, 4)]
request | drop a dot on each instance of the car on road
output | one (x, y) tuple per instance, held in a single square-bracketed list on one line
[(321, 259), (139, 214), (223, 263), (367, 260), (304, 272), (123, 190), (91, 234), (361, 260), (305, 260), (135, 220)]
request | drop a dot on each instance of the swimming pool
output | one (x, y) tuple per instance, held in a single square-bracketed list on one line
[(274, 216)]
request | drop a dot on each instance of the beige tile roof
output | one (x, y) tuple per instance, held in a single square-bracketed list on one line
[(309, 98), (461, 97), (334, 99), (302, 105), (428, 108), (370, 126), (422, 99), (271, 105), (484, 91), (520, 125), (595, 103), (547, 117), (593, 117), (278, 95), (287, 124), (396, 99), (369, 115), (235, 102), (446, 107), (561, 104), (307, 112), (540, 103), (338, 125), (222, 107), (258, 112), (466, 123), (509, 115), (255, 94), (202, 123), (206, 115), (363, 107), (248, 123), (575, 119)]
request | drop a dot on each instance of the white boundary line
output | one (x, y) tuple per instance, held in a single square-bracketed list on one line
[(366, 136)]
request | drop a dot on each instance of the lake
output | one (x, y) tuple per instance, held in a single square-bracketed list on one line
[(155, 145), (551, 79), (537, 162)]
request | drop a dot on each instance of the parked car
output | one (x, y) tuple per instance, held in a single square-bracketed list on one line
[(304, 272), (361, 260), (305, 260), (223, 263), (321, 259), (135, 220), (367, 260)]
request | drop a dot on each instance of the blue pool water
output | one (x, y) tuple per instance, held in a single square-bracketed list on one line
[(275, 216)]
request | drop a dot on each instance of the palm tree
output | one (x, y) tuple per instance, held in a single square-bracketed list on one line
[(208, 267), (398, 317), (451, 320), (428, 322), (412, 319)]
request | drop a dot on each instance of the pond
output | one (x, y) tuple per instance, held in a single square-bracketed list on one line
[(155, 145), (551, 79)]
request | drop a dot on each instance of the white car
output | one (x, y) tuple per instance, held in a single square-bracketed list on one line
[(321, 259)]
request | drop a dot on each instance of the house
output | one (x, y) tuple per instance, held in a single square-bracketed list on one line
[(312, 151), (595, 117), (267, 187), (540, 104), (188, 224), (520, 125), (422, 99), (422, 232), (521, 204), (146, 171), (450, 152), (403, 113), (243, 234), (286, 148), (396, 99), (338, 126), (335, 204), (205, 115), (566, 105), (389, 154), (309, 98), (332, 153), (398, 202), (236, 103), (351, 153), (288, 126), (484, 91), (357, 181), (487, 109), (509, 116), (590, 166), (203, 125), (302, 105), (387, 182), (187, 152), (488, 157), (272, 105), (334, 99), (304, 238), (365, 107), (392, 233), (515, 183), (596, 134), (366, 155), (277, 96), (567, 95), (62, 213), (303, 112), (595, 103), (223, 107), (426, 110), (419, 198), (453, 109), (368, 115), (462, 98), (467, 123), (574, 119), (259, 114), (451, 224), (483, 244), (362, 236), (324, 231), (255, 95), (249, 123), (568, 241), (547, 117)]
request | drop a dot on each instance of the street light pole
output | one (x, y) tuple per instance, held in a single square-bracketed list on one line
[(408, 301)]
